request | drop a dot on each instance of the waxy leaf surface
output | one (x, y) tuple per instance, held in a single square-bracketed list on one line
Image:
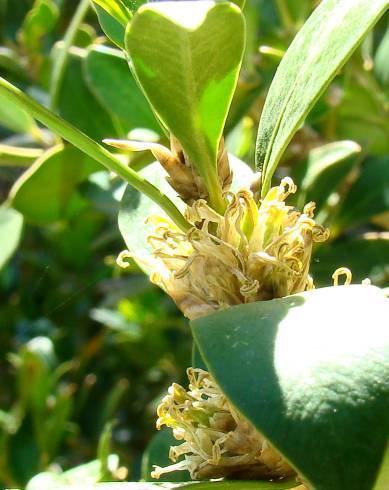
[(313, 59), (310, 372), (186, 56)]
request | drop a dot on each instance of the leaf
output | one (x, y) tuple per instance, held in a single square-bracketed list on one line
[(368, 196), (41, 19), (47, 191), (188, 79), (381, 65), (11, 224), (366, 257), (316, 54), (136, 207), (382, 482), (366, 122), (110, 80), (309, 371), (116, 9), (79, 106), (113, 29), (15, 118), (327, 166)]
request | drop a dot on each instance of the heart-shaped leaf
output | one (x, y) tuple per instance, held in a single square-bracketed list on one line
[(321, 47), (310, 372), (186, 56)]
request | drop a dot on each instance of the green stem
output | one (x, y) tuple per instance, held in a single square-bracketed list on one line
[(60, 61), (69, 133), (13, 156)]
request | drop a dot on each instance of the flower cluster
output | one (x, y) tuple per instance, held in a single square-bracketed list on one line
[(218, 441), (248, 254)]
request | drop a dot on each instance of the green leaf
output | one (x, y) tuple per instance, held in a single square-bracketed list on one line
[(366, 257), (79, 106), (11, 224), (109, 78), (382, 482), (367, 121), (318, 51), (188, 69), (381, 65), (113, 29), (326, 167), (136, 207), (41, 19), (116, 9), (368, 195), (15, 118), (47, 191), (309, 371)]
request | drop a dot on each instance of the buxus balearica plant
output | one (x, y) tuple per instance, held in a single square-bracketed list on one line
[(288, 385)]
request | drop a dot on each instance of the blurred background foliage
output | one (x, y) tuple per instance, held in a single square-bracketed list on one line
[(87, 350)]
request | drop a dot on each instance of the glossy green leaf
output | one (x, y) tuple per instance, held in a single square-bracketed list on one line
[(366, 256), (110, 79), (136, 207), (113, 29), (11, 224), (188, 69), (116, 9), (79, 106), (318, 51), (381, 64), (47, 191), (310, 372), (368, 196)]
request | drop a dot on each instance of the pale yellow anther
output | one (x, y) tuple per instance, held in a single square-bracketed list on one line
[(342, 271), (123, 259)]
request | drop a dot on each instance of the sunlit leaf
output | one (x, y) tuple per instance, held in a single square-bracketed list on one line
[(320, 48), (309, 371), (188, 79)]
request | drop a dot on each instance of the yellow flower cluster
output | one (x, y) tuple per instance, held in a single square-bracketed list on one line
[(249, 254), (218, 441)]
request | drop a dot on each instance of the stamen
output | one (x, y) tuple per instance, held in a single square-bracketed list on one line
[(342, 271), (123, 259)]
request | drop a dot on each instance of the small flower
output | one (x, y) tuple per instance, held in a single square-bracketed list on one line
[(249, 254), (218, 441)]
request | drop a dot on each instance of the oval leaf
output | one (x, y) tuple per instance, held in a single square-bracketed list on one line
[(110, 79), (321, 47), (310, 372), (188, 69), (47, 191)]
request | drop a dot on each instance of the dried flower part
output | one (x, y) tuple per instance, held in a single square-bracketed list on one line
[(249, 254), (218, 441), (182, 174)]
